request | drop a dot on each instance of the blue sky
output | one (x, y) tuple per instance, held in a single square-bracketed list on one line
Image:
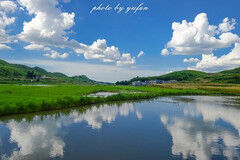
[(148, 31)]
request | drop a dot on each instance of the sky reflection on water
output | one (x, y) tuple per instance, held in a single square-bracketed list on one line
[(193, 127)]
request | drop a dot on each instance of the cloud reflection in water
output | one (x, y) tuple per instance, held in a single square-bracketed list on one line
[(40, 138), (203, 139)]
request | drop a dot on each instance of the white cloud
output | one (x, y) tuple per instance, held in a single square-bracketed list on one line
[(191, 60), (49, 25), (8, 6), (4, 47), (227, 25), (165, 52), (49, 28), (36, 47), (212, 63), (140, 54), (199, 37), (55, 54), (126, 59), (100, 50), (5, 8)]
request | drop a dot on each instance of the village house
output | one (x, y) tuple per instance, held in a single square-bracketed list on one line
[(145, 83)]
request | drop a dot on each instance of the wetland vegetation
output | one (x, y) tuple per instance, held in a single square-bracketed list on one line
[(15, 99)]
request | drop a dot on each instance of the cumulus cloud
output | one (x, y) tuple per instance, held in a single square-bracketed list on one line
[(227, 25), (6, 7), (165, 52), (140, 54), (199, 37), (100, 50), (49, 28), (212, 63), (55, 54), (191, 60), (126, 59)]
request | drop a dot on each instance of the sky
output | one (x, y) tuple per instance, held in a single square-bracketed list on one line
[(72, 37)]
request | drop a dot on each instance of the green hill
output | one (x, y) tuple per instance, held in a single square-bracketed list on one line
[(16, 73), (228, 76)]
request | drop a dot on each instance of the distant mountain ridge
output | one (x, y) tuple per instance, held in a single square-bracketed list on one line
[(227, 76), (22, 73), (17, 73)]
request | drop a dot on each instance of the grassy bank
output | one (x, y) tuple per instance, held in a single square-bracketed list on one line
[(15, 99)]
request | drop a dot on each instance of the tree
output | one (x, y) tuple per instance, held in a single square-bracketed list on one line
[(31, 75)]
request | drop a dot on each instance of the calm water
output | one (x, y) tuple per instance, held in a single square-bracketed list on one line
[(165, 128), (106, 94), (102, 94)]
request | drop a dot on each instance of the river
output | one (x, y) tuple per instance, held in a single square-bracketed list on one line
[(181, 127)]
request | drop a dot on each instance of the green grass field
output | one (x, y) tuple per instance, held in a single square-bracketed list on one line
[(15, 99)]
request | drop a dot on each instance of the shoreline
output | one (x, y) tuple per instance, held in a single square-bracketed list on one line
[(32, 99)]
